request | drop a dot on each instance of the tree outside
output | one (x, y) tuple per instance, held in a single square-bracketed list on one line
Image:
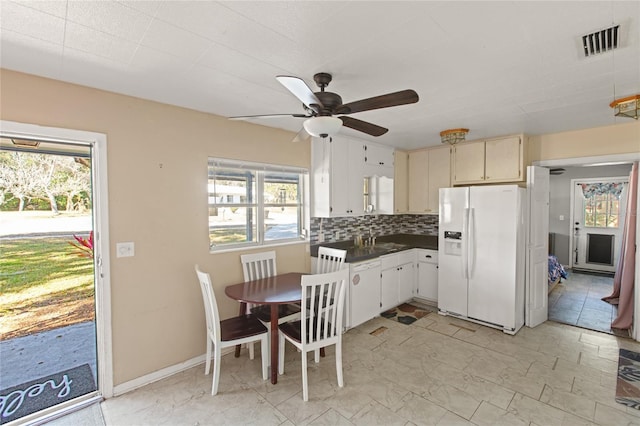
[(45, 281)]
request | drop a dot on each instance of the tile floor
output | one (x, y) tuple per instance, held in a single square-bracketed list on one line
[(436, 371), (577, 301)]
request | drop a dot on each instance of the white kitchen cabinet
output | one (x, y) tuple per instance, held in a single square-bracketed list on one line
[(397, 279), (418, 181), (337, 177), (406, 281), (429, 170), (489, 161), (378, 160), (427, 261), (439, 175), (401, 182)]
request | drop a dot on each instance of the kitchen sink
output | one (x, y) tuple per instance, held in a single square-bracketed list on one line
[(390, 246)]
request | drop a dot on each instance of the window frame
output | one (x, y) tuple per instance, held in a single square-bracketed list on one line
[(260, 172)]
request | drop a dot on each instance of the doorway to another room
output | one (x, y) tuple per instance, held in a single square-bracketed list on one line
[(587, 208)]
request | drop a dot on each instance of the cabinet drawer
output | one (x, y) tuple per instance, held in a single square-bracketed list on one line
[(429, 256), (407, 256), (388, 261)]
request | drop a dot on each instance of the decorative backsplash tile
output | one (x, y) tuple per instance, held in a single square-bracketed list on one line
[(345, 228)]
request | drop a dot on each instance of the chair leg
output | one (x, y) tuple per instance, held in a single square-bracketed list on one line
[(339, 363), (280, 354), (264, 349), (305, 384), (216, 370), (207, 365), (316, 355)]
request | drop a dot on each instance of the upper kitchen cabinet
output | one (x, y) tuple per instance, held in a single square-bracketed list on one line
[(401, 182), (429, 170), (337, 176), (378, 160), (489, 161)]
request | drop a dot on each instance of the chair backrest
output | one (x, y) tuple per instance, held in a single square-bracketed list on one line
[(329, 260), (210, 304), (322, 306), (258, 265)]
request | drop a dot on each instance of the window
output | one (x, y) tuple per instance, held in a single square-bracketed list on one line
[(601, 211), (602, 203), (253, 204)]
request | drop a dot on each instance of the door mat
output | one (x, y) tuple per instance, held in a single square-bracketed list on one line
[(27, 398), (628, 384), (406, 313)]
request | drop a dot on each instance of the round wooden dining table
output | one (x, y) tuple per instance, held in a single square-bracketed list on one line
[(272, 291)]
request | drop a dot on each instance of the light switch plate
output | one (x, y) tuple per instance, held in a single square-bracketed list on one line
[(125, 249)]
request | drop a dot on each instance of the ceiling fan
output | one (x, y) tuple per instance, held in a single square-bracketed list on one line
[(321, 107)]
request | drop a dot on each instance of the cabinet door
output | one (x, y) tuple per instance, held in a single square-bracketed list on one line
[(418, 181), (439, 175), (389, 289), (468, 163), (340, 203), (355, 182), (378, 155), (406, 282), (428, 281), (504, 159), (347, 178), (320, 177), (401, 182)]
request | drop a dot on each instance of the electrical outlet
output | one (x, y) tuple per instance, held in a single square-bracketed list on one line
[(320, 237), (125, 249)]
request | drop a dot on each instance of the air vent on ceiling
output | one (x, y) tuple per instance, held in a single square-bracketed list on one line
[(600, 41)]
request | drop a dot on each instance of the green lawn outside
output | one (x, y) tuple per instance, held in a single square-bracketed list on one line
[(34, 270)]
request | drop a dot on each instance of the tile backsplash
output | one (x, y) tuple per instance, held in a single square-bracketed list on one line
[(345, 228)]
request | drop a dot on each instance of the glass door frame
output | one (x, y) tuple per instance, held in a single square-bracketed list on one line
[(100, 194)]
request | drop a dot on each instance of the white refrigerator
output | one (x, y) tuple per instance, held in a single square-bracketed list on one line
[(481, 255)]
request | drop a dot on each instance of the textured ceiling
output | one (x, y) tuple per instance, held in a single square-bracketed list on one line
[(496, 68)]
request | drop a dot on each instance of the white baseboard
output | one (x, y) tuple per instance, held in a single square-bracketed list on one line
[(162, 374)]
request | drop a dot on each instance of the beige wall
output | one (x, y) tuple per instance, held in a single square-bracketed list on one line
[(620, 138), (157, 176), (157, 171)]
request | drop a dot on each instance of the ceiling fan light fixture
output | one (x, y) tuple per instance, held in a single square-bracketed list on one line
[(453, 136), (322, 126), (627, 107)]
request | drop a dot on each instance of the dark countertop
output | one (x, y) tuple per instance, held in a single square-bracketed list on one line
[(400, 242)]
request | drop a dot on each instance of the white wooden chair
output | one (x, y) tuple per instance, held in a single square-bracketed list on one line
[(323, 294), (263, 265), (329, 260), (229, 332)]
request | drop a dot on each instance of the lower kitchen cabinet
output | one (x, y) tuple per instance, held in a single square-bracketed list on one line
[(397, 279), (379, 284), (427, 275)]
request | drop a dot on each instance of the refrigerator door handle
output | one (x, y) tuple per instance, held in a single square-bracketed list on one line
[(471, 254), (465, 244)]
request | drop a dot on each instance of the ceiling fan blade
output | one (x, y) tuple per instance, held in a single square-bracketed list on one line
[(301, 136), (300, 90), (247, 117), (363, 126), (383, 101)]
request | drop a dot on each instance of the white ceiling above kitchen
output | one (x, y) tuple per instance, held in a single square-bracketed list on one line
[(496, 68)]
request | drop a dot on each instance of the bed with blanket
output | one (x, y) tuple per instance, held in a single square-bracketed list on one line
[(556, 272)]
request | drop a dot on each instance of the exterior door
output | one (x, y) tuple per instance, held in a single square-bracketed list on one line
[(599, 207), (537, 300), (65, 140)]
